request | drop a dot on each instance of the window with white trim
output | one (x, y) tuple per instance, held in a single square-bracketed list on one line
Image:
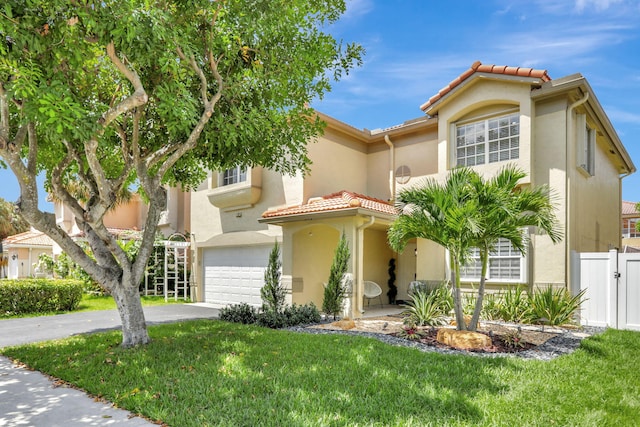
[(629, 229), (233, 176), (586, 145), (488, 141), (506, 264)]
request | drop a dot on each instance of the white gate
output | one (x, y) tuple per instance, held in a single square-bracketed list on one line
[(629, 291), (612, 283)]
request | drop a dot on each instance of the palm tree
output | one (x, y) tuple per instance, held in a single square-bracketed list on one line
[(468, 212), (503, 210), (444, 213)]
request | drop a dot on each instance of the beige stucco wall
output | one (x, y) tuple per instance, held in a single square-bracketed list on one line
[(339, 163), (547, 261), (128, 215), (314, 247)]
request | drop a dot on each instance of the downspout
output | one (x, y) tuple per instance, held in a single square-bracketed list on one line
[(392, 168), (359, 289), (567, 233)]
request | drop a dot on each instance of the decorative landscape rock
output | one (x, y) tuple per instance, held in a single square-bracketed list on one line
[(345, 324), (463, 339)]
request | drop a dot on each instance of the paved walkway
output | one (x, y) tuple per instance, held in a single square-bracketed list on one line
[(29, 398)]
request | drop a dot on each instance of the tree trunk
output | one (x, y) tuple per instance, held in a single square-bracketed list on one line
[(484, 260), (134, 327), (457, 298)]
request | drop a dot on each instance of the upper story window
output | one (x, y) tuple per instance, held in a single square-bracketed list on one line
[(506, 264), (233, 176), (586, 145), (488, 141)]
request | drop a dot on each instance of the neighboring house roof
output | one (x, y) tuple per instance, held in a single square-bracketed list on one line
[(479, 67), (26, 239), (629, 209), (340, 201)]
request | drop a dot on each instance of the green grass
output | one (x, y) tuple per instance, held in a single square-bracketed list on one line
[(206, 373), (100, 302), (106, 302)]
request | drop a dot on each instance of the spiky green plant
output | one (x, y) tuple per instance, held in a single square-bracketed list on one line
[(554, 306)]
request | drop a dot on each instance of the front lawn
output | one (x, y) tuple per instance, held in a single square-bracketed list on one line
[(106, 302), (206, 373)]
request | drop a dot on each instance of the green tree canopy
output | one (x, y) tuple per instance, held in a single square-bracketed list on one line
[(108, 95)]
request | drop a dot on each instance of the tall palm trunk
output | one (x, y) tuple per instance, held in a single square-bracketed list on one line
[(484, 260), (457, 297)]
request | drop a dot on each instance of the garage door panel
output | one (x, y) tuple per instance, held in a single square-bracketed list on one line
[(234, 275)]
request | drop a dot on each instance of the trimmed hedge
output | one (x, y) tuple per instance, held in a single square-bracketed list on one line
[(27, 296)]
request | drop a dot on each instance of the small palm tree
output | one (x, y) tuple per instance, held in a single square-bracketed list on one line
[(444, 213), (503, 210), (468, 212)]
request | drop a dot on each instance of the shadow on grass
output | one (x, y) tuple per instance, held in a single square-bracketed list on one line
[(215, 373)]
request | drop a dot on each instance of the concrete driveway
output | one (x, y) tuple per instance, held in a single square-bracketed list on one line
[(29, 398)]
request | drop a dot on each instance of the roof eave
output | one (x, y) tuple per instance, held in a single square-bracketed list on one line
[(432, 109), (336, 213), (577, 81)]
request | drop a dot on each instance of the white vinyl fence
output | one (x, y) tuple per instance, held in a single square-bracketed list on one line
[(612, 283)]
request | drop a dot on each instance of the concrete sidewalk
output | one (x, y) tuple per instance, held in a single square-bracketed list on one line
[(29, 398)]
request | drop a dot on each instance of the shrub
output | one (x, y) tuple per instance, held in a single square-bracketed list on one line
[(293, 315), (411, 332), (427, 308), (273, 293), (29, 296), (513, 339), (239, 313), (554, 306), (271, 319), (335, 291), (514, 306), (302, 314)]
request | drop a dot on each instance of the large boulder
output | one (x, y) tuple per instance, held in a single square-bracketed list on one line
[(463, 340)]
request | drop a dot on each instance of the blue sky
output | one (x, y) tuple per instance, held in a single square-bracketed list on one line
[(415, 47)]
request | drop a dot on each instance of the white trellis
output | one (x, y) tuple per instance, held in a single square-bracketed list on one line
[(173, 262)]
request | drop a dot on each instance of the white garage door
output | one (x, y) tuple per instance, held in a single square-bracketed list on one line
[(233, 275)]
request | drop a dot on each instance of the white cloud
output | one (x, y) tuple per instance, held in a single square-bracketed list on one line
[(620, 116), (597, 5), (357, 8)]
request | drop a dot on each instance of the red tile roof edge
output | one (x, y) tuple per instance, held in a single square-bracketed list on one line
[(629, 208), (340, 200), (479, 67)]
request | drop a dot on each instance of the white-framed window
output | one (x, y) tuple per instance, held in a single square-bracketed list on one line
[(506, 264), (490, 140), (233, 176), (629, 229), (586, 143)]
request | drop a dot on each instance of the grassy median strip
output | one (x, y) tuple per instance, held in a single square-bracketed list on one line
[(210, 373)]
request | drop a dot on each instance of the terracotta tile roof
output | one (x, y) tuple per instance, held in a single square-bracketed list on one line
[(629, 208), (28, 238), (478, 67), (335, 202)]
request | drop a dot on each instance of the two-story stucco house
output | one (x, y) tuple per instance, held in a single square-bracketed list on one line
[(489, 116)]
